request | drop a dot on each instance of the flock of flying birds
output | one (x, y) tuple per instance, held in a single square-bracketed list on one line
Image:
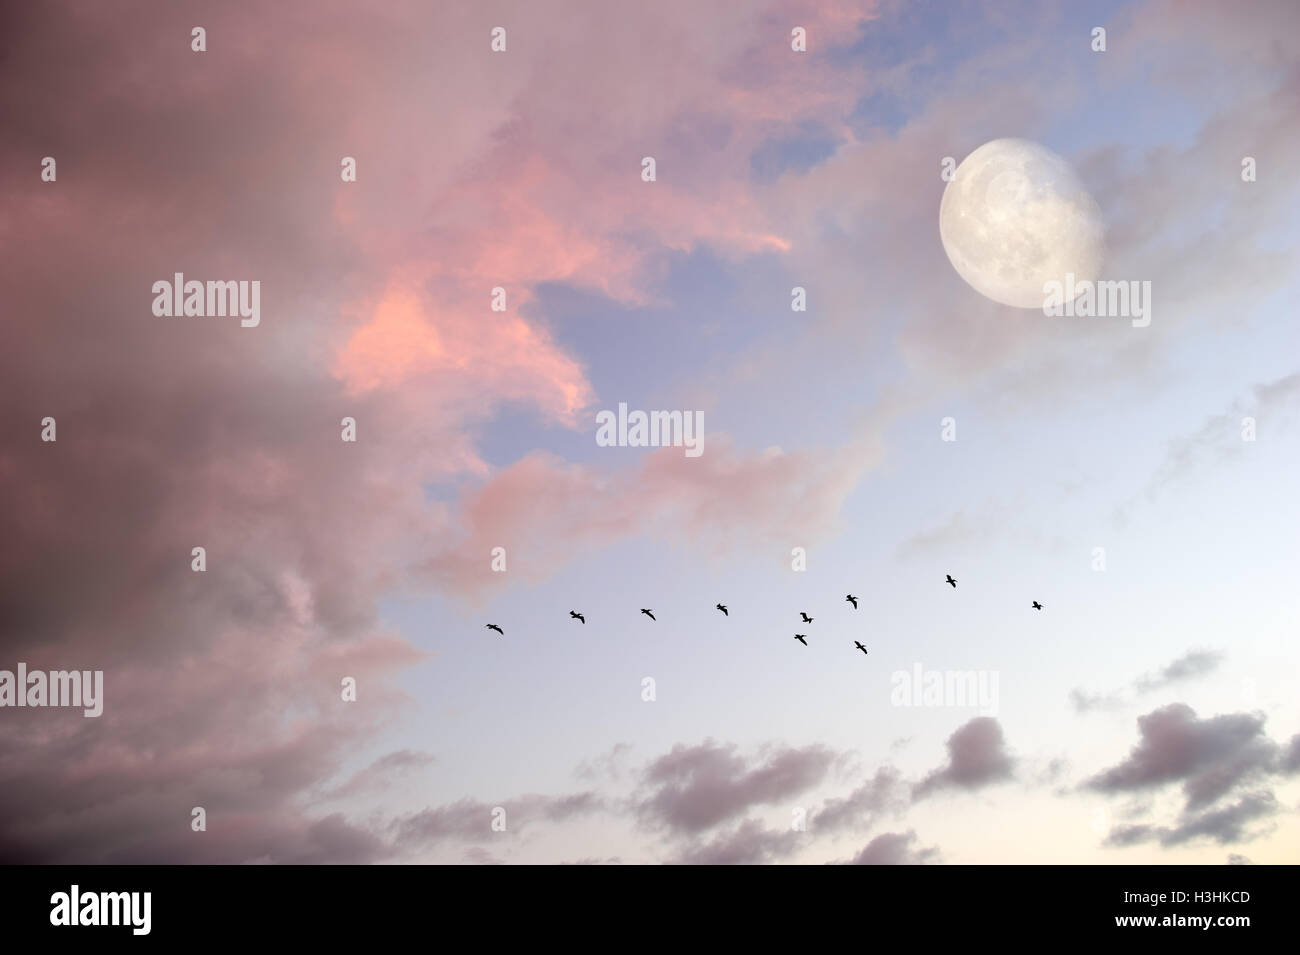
[(801, 637)]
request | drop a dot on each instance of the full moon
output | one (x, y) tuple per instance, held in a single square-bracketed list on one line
[(1016, 216)]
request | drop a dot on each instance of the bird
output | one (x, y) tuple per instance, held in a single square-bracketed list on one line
[(853, 600), (724, 610), (806, 618), (860, 647), (1037, 605), (577, 616), (493, 626), (951, 581), (647, 613), (800, 638)]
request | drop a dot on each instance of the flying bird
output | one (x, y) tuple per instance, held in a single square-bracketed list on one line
[(577, 616), (853, 600), (724, 610), (493, 626), (647, 613), (806, 618), (951, 581), (860, 647), (800, 638), (1037, 605)]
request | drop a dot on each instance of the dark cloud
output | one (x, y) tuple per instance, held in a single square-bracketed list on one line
[(692, 788), (1123, 836), (1225, 825), (333, 840), (691, 791), (591, 860), (1210, 757), (1193, 664), (75, 807), (477, 855), (895, 848), (882, 792), (977, 757), (175, 433), (222, 687), (1289, 762), (381, 773), (1084, 702), (750, 843), (471, 819)]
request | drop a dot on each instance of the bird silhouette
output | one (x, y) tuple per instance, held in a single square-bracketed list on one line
[(577, 616), (1037, 605), (853, 600), (806, 618), (860, 647), (951, 581), (724, 610), (800, 638), (647, 613), (493, 626)]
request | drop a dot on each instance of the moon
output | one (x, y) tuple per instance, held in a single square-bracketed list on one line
[(1016, 216)]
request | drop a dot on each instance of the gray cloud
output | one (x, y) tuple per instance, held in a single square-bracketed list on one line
[(379, 775), (1289, 762), (977, 757), (1274, 405), (477, 855), (592, 860), (1123, 836), (1193, 664), (1210, 757), (1225, 825), (471, 819), (1088, 702), (895, 848), (882, 792), (750, 843), (692, 788)]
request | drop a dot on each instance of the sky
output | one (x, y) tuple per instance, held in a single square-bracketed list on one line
[(326, 689)]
